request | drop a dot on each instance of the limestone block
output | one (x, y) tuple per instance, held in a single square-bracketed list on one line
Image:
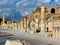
[(16, 42), (13, 42)]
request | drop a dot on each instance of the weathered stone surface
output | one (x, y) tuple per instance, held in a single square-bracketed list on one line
[(16, 42), (13, 42)]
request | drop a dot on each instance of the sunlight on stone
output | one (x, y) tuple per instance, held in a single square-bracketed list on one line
[(13, 42), (16, 42)]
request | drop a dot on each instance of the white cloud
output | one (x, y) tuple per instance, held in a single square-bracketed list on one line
[(0, 10), (5, 14), (5, 11), (3, 2), (21, 3), (40, 2), (26, 13), (25, 3), (56, 0), (46, 1), (43, 1)]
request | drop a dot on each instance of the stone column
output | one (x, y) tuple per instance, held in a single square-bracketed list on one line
[(18, 25), (50, 26), (24, 23), (42, 21), (55, 29), (3, 21), (27, 24), (36, 24), (59, 32), (21, 25)]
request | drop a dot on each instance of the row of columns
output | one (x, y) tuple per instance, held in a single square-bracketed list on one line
[(42, 32)]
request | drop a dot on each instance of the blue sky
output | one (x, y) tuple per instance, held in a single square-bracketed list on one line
[(14, 9)]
